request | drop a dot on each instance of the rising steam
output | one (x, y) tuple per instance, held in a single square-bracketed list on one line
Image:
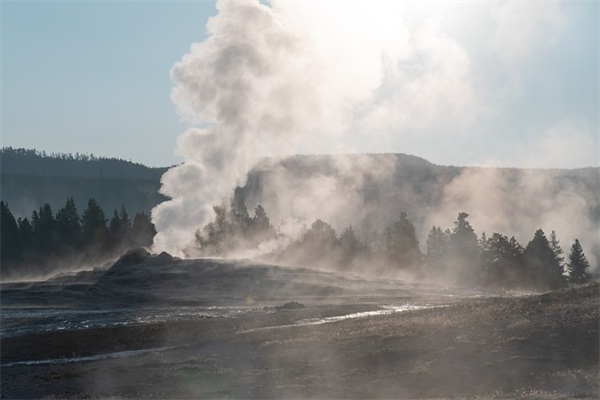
[(287, 78), (301, 77)]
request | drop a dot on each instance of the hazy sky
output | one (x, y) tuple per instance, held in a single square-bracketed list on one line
[(94, 77)]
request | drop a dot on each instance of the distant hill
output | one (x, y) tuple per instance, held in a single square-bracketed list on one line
[(368, 191), (30, 178)]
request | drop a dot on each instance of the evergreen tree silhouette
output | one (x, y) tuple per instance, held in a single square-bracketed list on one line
[(542, 270), (402, 246), (68, 225), (578, 265), (94, 231), (10, 245)]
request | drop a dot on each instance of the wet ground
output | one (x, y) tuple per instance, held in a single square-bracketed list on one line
[(362, 340)]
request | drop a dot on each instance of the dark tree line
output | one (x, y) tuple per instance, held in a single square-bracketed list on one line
[(456, 255), (46, 240), (28, 161)]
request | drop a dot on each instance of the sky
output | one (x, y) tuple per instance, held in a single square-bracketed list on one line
[(458, 83)]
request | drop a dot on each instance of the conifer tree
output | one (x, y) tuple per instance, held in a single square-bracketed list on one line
[(125, 226), (556, 249), (68, 224), (463, 248), (542, 269), (502, 261), (26, 237), (94, 230), (9, 235), (402, 246), (578, 265), (437, 249), (120, 229), (44, 230)]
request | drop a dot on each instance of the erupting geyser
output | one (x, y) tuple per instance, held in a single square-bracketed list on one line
[(295, 77)]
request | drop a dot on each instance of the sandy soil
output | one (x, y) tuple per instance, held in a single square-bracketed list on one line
[(544, 346)]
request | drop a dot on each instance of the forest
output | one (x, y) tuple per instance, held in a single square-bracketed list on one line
[(454, 256), (47, 242), (32, 178), (378, 240)]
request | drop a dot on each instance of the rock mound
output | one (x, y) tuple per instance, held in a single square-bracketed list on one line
[(292, 305)]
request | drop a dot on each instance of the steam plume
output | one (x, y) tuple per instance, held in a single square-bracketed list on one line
[(301, 77), (291, 77)]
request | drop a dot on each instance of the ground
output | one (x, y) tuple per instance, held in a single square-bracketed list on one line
[(536, 346)]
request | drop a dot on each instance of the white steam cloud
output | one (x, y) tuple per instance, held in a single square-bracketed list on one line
[(272, 80), (333, 77)]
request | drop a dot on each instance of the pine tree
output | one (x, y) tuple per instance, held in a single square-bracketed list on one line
[(68, 225), (94, 230), (114, 225), (463, 234), (437, 250), (120, 229), (542, 269), (125, 227), (402, 246), (557, 250), (464, 251), (10, 245), (502, 261), (437, 241), (578, 265), (26, 237), (44, 230)]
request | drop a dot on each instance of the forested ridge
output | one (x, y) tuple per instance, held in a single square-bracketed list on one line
[(33, 162), (31, 178), (48, 241), (380, 203)]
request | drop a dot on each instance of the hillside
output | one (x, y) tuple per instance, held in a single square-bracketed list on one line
[(365, 191), (369, 191), (31, 178)]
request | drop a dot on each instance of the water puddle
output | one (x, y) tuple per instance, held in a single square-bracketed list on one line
[(24, 321), (386, 310)]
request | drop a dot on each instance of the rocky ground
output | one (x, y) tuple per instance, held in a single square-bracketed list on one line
[(538, 346)]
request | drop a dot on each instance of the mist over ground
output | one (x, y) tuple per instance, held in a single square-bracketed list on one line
[(160, 327)]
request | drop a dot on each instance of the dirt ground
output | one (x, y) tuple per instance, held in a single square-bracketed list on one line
[(542, 346)]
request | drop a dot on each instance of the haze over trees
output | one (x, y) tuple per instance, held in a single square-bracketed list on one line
[(381, 203), (369, 191), (46, 242), (456, 256)]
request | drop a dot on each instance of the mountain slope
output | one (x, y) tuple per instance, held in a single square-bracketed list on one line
[(30, 179), (369, 191)]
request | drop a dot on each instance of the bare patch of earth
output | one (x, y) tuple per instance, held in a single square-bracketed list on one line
[(539, 346)]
